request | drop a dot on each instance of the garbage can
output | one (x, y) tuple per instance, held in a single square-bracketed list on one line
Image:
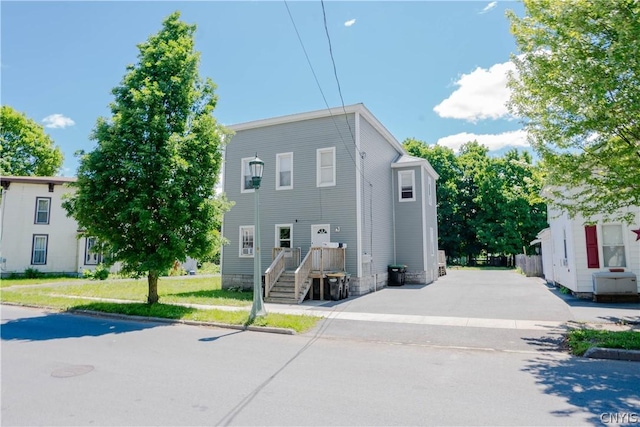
[(345, 285), (335, 286), (396, 274)]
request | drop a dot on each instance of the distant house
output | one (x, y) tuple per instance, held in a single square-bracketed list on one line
[(572, 251), (36, 231), (335, 179)]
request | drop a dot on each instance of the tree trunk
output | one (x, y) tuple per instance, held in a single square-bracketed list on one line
[(152, 278)]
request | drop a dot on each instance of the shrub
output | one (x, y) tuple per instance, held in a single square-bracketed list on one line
[(32, 273), (101, 272)]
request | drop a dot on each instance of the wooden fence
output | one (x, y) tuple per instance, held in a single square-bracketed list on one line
[(531, 265)]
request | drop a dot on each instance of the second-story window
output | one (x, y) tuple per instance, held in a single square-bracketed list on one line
[(284, 171), (406, 186), (326, 167), (43, 209), (246, 186)]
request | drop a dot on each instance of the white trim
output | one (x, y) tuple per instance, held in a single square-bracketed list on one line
[(277, 234), (242, 168), (429, 190), (423, 216), (412, 174), (358, 193), (319, 153), (358, 109), (280, 156), (246, 252)]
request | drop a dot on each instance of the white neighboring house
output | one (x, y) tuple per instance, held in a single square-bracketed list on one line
[(572, 251), (36, 232)]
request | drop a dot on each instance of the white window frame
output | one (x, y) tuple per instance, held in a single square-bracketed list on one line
[(320, 168), (612, 245), (91, 258), (429, 191), (242, 250), (38, 211), (278, 241), (279, 158), (244, 167), (44, 251), (412, 175)]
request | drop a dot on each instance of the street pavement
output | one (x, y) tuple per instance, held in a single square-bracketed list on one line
[(473, 348)]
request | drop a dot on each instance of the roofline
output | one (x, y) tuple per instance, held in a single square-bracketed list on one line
[(418, 162), (336, 111), (39, 179)]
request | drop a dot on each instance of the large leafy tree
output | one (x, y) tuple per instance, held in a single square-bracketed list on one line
[(147, 190), (577, 86), (25, 148), (485, 204)]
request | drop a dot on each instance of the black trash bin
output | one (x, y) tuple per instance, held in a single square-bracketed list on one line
[(396, 274), (335, 285)]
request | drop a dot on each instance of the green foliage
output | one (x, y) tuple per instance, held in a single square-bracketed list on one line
[(101, 272), (25, 148), (147, 191), (33, 273), (580, 340), (577, 86), (485, 204)]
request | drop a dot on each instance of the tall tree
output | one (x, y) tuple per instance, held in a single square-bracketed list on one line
[(147, 191), (25, 148), (577, 85)]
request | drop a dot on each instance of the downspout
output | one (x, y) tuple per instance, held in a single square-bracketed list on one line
[(393, 213)]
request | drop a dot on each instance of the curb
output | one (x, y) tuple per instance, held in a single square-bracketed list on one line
[(282, 331), (612, 354)]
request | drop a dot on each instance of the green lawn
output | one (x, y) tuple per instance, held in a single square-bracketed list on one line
[(580, 340), (80, 294), (5, 283)]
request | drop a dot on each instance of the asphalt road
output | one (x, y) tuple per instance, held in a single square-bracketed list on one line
[(61, 369)]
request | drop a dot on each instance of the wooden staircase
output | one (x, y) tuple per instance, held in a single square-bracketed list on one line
[(283, 291)]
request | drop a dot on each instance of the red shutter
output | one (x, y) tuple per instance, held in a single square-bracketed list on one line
[(591, 235)]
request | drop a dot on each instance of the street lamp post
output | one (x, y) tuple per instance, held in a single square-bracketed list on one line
[(256, 166)]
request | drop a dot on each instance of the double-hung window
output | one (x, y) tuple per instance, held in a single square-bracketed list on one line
[(406, 186), (613, 246), (326, 167), (283, 236), (39, 249), (246, 185), (246, 241), (284, 171), (91, 255), (43, 210), (429, 190)]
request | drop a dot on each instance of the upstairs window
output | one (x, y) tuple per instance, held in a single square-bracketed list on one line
[(284, 171), (43, 209), (406, 186), (246, 185), (246, 241), (326, 167), (613, 246)]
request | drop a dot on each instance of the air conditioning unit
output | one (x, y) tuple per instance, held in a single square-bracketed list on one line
[(247, 251), (612, 283)]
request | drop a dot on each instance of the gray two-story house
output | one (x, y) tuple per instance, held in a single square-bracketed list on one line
[(333, 179)]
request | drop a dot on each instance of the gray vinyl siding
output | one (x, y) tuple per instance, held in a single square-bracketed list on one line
[(409, 228), (431, 222), (377, 206), (305, 204)]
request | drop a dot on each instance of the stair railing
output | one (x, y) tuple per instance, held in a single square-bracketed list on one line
[(272, 274), (302, 273)]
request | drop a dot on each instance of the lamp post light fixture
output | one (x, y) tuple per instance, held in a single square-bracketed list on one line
[(256, 166)]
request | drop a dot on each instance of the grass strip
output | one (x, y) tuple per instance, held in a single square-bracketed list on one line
[(580, 340)]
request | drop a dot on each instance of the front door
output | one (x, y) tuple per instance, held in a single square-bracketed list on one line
[(320, 233)]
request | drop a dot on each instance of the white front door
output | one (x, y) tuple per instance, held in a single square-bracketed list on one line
[(320, 233)]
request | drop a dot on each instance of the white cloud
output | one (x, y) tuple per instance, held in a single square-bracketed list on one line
[(350, 22), (57, 121), (482, 94), (517, 138), (488, 7)]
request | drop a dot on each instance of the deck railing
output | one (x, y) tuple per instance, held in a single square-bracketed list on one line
[(302, 274), (328, 259)]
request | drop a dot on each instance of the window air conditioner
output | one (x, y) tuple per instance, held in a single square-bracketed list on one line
[(247, 251)]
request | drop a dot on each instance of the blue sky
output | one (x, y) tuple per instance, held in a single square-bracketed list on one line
[(431, 70)]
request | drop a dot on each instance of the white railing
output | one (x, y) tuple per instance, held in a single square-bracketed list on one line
[(302, 274), (273, 273)]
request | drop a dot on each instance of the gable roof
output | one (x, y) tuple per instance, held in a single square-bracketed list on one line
[(336, 111), (406, 160)]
